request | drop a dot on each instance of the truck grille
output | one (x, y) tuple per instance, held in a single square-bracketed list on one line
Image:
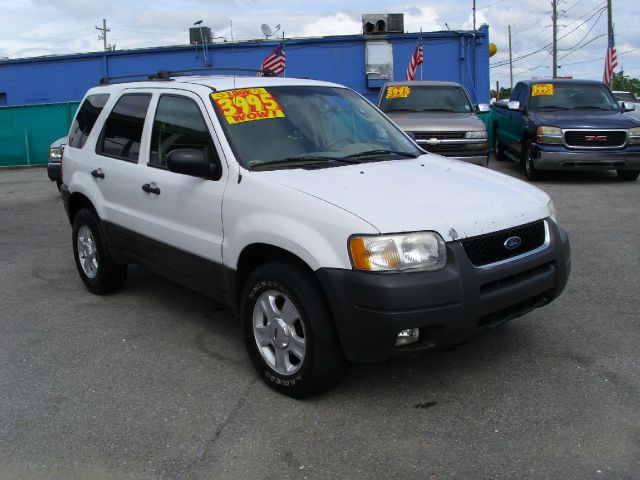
[(595, 138), (490, 248), (439, 135)]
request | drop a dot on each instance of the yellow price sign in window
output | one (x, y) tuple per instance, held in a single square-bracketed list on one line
[(247, 105), (398, 92), (541, 89)]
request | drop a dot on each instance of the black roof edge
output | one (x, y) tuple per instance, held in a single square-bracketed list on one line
[(167, 75)]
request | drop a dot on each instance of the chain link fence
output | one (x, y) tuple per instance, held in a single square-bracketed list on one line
[(27, 131)]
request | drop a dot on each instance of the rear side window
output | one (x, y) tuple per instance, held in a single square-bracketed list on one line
[(178, 124), (122, 132), (86, 119)]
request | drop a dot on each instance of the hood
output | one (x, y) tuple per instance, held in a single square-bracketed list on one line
[(436, 121), (454, 198), (585, 119)]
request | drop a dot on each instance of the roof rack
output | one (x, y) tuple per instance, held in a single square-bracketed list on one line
[(167, 75)]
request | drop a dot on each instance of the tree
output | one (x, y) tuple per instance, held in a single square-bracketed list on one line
[(627, 84)]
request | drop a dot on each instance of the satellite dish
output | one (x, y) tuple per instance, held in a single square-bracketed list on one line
[(266, 29)]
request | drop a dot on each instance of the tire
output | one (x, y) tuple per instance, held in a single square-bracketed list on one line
[(526, 161), (497, 147), (288, 331), (95, 265), (628, 175), (59, 183)]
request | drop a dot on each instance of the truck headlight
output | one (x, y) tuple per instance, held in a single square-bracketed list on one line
[(478, 134), (553, 213), (634, 135), (549, 135), (55, 153), (417, 251)]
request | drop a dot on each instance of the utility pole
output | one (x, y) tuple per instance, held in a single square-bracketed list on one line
[(103, 33), (609, 32), (554, 3), (474, 15), (510, 61)]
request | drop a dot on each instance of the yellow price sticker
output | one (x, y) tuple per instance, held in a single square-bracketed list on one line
[(541, 89), (247, 105), (398, 92)]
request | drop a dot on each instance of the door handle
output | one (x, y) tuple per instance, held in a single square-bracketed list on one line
[(98, 173), (151, 188)]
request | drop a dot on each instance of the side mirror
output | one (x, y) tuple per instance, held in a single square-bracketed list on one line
[(513, 105), (483, 107), (627, 106), (191, 161)]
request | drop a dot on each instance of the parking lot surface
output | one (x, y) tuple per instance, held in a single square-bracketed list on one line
[(153, 381)]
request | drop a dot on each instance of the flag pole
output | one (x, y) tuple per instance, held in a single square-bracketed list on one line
[(284, 73), (422, 48)]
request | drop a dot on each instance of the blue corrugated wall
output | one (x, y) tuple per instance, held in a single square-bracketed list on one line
[(447, 56)]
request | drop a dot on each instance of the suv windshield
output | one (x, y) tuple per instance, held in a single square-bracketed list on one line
[(625, 96), (550, 96), (425, 98), (296, 126)]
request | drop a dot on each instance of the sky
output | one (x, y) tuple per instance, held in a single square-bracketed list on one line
[(48, 27)]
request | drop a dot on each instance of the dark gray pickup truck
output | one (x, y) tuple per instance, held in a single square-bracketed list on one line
[(566, 125)]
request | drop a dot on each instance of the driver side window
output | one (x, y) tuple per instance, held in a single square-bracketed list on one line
[(178, 124)]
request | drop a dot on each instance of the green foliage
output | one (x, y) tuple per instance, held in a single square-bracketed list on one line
[(625, 83)]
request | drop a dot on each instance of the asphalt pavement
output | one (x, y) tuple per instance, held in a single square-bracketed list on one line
[(153, 381)]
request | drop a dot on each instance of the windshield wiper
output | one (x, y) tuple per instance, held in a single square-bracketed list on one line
[(592, 107), (401, 110), (555, 107), (378, 153), (298, 162)]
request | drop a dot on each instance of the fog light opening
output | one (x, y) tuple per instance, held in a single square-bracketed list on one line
[(408, 336)]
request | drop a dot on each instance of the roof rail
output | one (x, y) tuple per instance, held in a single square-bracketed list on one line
[(167, 75)]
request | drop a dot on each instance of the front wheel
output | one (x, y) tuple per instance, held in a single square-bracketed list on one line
[(497, 147), (527, 162), (628, 175), (289, 333), (97, 269)]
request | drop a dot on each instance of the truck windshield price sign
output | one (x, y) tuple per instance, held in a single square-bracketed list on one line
[(247, 105), (541, 89), (398, 92)]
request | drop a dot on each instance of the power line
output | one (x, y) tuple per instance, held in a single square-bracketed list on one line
[(600, 58)]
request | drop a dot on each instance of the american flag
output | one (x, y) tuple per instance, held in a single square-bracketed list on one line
[(275, 61), (416, 59), (611, 61)]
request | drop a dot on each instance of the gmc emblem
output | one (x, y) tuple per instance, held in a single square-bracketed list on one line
[(595, 138)]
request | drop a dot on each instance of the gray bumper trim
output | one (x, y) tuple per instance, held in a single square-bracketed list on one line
[(599, 160)]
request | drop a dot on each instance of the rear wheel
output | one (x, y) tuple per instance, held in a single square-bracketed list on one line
[(526, 161), (497, 147), (289, 332), (97, 269), (628, 175)]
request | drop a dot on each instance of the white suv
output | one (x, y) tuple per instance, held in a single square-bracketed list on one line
[(328, 231)]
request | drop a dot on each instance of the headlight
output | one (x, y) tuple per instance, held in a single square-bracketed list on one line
[(55, 153), (549, 135), (634, 135), (479, 134), (553, 213), (411, 251)]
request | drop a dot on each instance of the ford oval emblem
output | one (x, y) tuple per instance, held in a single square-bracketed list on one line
[(512, 243)]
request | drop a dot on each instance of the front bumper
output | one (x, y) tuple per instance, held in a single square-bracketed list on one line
[(448, 306), (558, 157), (54, 171)]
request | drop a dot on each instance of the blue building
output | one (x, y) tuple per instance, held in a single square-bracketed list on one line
[(362, 62)]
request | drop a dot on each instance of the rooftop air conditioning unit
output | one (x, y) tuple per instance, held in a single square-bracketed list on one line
[(381, 23), (199, 35)]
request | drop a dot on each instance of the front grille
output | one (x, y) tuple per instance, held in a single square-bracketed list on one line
[(487, 249), (595, 138), (447, 147), (439, 135)]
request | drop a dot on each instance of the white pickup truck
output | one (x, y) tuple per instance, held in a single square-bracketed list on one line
[(324, 226)]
